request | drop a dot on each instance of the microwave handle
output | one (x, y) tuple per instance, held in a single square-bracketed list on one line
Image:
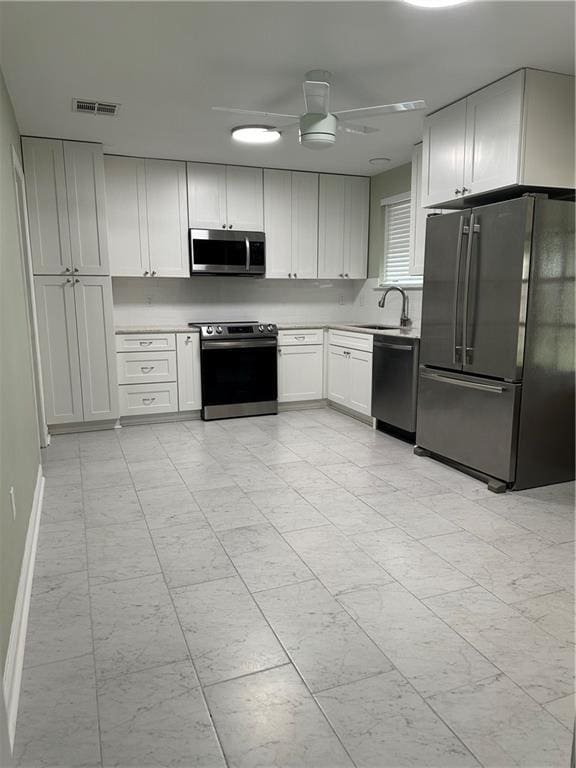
[(247, 240)]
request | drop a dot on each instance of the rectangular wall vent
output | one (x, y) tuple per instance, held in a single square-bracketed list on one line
[(88, 107)]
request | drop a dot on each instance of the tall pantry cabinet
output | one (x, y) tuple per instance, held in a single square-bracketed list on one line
[(68, 234)]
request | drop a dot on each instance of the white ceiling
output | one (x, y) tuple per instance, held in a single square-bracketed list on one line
[(168, 63)]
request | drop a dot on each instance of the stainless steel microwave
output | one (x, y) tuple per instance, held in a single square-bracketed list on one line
[(225, 252)]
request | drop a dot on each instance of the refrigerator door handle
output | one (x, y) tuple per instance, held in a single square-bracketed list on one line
[(463, 229), (466, 350), (467, 384)]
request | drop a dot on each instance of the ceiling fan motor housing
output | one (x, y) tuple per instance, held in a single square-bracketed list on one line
[(318, 131)]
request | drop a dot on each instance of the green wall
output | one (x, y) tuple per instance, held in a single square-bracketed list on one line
[(386, 184), (19, 449)]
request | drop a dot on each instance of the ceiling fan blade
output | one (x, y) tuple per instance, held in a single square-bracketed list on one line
[(382, 109), (253, 112), (351, 128), (316, 96)]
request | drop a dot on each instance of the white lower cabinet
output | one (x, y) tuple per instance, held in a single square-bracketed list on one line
[(142, 399), (189, 387), (350, 371), (300, 365), (76, 348)]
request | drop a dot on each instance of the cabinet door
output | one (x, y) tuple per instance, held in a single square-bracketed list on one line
[(94, 318), (244, 198), (304, 224), (126, 207), (86, 193), (47, 206), (167, 219), (206, 196), (278, 223), (189, 388), (417, 215), (443, 155), (58, 349), (338, 375), (356, 227), (300, 373), (493, 135), (331, 228), (360, 382)]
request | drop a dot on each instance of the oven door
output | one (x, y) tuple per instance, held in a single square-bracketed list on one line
[(217, 252), (239, 377)]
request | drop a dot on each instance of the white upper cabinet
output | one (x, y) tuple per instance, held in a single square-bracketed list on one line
[(66, 206), (418, 215), (516, 131), (47, 206), (225, 197), (343, 226), (147, 217), (127, 226), (291, 224), (167, 217)]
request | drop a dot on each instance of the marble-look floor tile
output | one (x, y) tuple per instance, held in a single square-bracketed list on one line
[(154, 473), (255, 476), (471, 517), (503, 726), (147, 451), (355, 479), (190, 554), (105, 473), (430, 654), (346, 511), (301, 476), (163, 507), (226, 633), (200, 478), (557, 563), (59, 619), (325, 645), (535, 660), (553, 613), (263, 559), (228, 508), (270, 720), (411, 563), (61, 447), (550, 519), (412, 482), (157, 717), (315, 453), (337, 562), (287, 510), (120, 552), (58, 717), (409, 514), (508, 579), (61, 548), (63, 473), (384, 723), (563, 710), (272, 452), (135, 627), (110, 506), (62, 505)]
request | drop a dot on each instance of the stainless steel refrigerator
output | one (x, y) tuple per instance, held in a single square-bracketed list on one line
[(496, 377)]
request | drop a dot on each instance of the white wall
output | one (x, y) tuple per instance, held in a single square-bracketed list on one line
[(149, 301)]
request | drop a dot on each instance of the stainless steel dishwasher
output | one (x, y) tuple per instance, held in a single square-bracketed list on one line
[(395, 381)]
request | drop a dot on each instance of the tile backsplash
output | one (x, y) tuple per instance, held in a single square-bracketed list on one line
[(159, 301)]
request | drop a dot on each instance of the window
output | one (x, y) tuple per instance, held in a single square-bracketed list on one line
[(397, 242)]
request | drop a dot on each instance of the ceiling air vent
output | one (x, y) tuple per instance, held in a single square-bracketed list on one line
[(95, 107)]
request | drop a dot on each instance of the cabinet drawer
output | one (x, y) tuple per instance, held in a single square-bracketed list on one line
[(299, 338), (146, 367), (360, 341), (138, 399), (143, 342)]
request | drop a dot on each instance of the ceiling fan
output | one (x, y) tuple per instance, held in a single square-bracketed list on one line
[(318, 126)]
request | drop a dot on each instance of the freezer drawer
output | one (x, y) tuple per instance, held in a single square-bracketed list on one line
[(471, 420), (395, 381)]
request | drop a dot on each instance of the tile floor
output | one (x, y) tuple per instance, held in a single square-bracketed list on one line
[(293, 591)]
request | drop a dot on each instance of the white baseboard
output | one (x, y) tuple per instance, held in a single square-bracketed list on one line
[(15, 655)]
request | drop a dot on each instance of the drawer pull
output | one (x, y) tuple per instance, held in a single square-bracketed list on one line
[(300, 337), (145, 343), (148, 400), (146, 368)]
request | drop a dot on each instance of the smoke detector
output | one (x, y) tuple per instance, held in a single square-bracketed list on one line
[(91, 107)]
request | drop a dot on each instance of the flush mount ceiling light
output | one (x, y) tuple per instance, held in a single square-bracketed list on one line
[(435, 3), (255, 134), (379, 160)]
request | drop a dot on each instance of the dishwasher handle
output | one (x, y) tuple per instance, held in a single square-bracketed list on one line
[(403, 347)]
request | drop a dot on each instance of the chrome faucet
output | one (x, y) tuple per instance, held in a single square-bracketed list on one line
[(404, 319)]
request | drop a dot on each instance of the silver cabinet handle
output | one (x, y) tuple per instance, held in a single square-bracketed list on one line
[(289, 274), (154, 273), (148, 400), (346, 275), (76, 270), (341, 274), (466, 189), (279, 351), (188, 339), (67, 270), (466, 384), (295, 275), (223, 226), (300, 337), (145, 343), (146, 368), (68, 279), (146, 273), (229, 226), (76, 280)]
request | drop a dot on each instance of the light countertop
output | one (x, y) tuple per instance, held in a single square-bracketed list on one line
[(412, 332)]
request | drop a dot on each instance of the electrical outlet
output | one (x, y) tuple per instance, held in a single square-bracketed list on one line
[(341, 299), (12, 501)]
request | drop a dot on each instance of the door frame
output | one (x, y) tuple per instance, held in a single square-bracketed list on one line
[(28, 280)]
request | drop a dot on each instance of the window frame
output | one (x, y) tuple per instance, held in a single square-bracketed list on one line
[(385, 202)]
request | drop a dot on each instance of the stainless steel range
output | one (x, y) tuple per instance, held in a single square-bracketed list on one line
[(239, 369)]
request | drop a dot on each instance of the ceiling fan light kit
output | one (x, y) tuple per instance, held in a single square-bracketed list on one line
[(318, 131), (255, 134)]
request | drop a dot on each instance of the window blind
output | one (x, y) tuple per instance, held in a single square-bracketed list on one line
[(396, 262)]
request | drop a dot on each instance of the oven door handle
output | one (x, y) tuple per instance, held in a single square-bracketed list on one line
[(238, 344)]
